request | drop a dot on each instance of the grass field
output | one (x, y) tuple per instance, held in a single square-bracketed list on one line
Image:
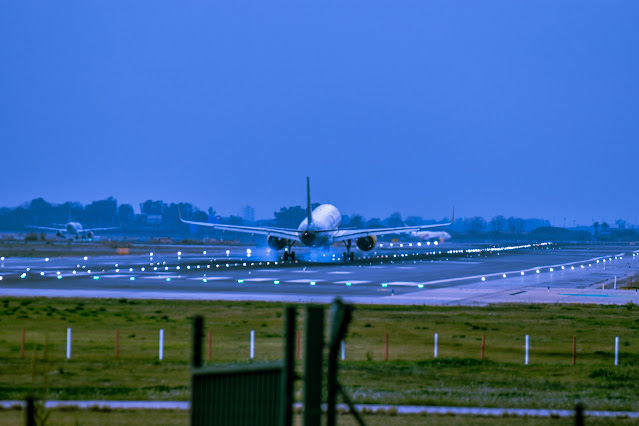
[(174, 417), (411, 375)]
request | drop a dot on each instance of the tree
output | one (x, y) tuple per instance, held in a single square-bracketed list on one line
[(498, 224), (414, 221), (289, 217), (126, 215), (395, 220), (374, 223), (476, 225), (102, 213), (150, 207), (356, 221)]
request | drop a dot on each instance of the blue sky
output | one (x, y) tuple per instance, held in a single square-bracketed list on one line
[(523, 108)]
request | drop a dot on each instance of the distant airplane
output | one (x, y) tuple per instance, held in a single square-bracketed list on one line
[(319, 229), (437, 236), (71, 230)]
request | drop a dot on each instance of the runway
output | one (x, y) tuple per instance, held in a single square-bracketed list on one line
[(453, 274)]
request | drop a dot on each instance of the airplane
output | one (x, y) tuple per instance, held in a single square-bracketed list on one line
[(72, 229), (320, 228), (436, 236)]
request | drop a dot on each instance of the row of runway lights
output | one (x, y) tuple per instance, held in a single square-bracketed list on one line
[(312, 283), (298, 346)]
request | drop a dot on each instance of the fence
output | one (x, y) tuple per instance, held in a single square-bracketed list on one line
[(483, 348)]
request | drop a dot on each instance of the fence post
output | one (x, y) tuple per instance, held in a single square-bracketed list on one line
[(22, 344), (161, 348), (483, 345), (69, 343), (526, 357), (435, 348), (252, 350), (343, 351), (616, 350), (386, 348)]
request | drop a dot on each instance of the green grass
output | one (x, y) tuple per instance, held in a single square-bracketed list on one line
[(173, 417), (410, 376)]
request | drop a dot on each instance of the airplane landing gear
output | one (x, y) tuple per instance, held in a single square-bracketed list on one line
[(288, 254), (348, 254)]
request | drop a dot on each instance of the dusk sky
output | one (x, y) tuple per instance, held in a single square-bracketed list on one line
[(519, 108)]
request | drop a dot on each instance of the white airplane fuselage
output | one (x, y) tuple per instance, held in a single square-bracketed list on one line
[(73, 228), (440, 236), (324, 219)]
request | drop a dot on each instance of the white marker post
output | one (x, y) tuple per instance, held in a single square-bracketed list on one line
[(343, 351), (616, 350), (69, 343), (161, 348), (435, 349), (252, 354), (526, 357)]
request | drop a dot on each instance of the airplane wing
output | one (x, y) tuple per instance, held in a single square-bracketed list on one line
[(97, 229), (350, 234), (45, 228), (289, 234)]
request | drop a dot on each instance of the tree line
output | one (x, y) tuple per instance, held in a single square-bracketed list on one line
[(157, 218)]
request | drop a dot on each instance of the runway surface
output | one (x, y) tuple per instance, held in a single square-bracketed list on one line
[(451, 274)]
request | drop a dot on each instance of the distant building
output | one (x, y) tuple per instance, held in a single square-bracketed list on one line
[(248, 214)]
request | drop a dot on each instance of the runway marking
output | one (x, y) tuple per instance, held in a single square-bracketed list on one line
[(161, 277), (406, 283), (268, 270), (340, 272), (516, 273), (406, 267), (257, 280), (209, 278), (301, 281), (113, 276), (352, 282), (305, 272), (595, 295)]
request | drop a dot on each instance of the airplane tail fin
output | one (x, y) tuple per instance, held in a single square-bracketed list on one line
[(308, 200)]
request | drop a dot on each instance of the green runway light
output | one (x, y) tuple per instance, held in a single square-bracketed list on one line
[(313, 283), (420, 285), (23, 276), (95, 277), (276, 282), (59, 277), (348, 284), (240, 281), (132, 278), (384, 285), (168, 279)]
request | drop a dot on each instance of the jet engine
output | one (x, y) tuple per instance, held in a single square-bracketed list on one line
[(89, 235), (59, 234), (276, 243), (367, 243)]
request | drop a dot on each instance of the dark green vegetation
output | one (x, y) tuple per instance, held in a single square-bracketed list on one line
[(410, 376)]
